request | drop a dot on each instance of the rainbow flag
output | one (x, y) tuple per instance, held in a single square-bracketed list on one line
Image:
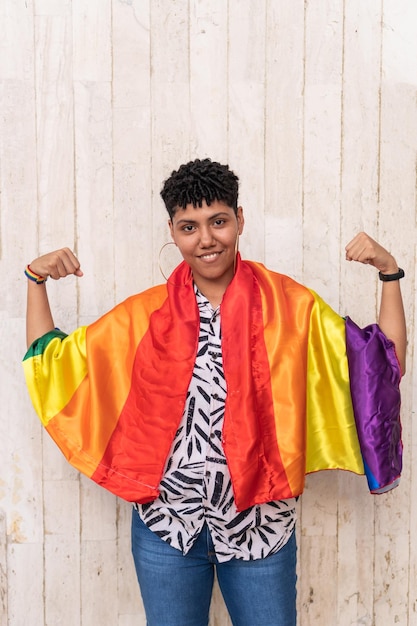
[(306, 389)]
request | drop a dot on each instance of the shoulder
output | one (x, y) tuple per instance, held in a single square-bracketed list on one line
[(269, 279), (147, 301), (135, 311)]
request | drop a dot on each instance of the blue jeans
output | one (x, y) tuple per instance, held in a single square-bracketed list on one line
[(176, 589)]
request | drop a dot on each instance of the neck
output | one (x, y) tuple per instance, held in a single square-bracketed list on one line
[(213, 291), (213, 294)]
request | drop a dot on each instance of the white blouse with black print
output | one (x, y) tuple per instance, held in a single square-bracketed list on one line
[(196, 487)]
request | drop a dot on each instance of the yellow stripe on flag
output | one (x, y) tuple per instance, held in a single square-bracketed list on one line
[(51, 379)]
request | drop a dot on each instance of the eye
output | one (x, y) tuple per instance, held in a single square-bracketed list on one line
[(219, 222), (188, 228)]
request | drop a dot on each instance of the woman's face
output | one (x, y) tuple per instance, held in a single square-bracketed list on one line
[(206, 237)]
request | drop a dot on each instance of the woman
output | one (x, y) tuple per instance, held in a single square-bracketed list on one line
[(206, 400)]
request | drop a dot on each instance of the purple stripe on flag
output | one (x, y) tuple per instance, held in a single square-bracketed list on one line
[(374, 382)]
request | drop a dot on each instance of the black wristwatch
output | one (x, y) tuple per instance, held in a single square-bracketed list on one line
[(388, 277)]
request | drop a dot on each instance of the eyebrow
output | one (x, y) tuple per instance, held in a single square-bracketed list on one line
[(212, 217)]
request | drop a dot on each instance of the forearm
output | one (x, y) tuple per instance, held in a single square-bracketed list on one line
[(57, 264), (38, 313), (392, 319)]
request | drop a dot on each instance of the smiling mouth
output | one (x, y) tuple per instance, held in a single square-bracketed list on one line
[(209, 257)]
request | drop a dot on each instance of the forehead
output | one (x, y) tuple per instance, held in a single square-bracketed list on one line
[(196, 213)]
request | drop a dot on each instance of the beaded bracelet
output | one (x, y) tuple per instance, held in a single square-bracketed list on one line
[(36, 278)]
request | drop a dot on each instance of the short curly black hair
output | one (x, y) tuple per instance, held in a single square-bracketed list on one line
[(200, 180)]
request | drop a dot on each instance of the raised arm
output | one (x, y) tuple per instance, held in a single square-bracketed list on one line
[(391, 317), (57, 264)]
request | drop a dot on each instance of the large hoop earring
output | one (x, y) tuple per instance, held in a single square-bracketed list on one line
[(236, 252), (175, 264), (162, 248)]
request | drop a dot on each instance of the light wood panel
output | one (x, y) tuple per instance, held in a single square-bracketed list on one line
[(360, 143)]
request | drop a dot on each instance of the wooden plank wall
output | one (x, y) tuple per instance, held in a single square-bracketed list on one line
[(313, 103)]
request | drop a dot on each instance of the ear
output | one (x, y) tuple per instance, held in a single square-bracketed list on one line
[(171, 229), (240, 219)]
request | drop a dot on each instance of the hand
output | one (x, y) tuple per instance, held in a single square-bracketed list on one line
[(365, 250), (57, 264)]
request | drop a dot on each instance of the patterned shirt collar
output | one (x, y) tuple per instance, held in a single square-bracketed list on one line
[(203, 303)]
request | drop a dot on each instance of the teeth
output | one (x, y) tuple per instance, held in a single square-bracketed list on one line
[(209, 256)]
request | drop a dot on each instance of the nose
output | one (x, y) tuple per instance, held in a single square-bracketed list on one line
[(206, 237)]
